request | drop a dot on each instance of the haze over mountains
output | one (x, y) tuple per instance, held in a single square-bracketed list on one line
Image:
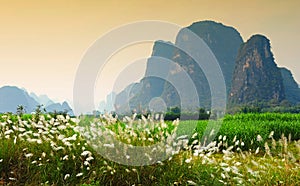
[(251, 76), (250, 72), (11, 97)]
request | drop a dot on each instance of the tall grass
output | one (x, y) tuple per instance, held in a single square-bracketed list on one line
[(249, 149), (247, 128)]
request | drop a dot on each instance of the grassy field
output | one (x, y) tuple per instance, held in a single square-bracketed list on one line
[(249, 149)]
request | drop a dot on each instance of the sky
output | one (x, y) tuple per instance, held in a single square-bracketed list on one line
[(43, 42)]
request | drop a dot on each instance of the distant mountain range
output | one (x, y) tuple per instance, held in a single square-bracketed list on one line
[(12, 96), (250, 72), (251, 76)]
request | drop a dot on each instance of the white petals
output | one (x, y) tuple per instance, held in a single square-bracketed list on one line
[(190, 182), (85, 153), (89, 158), (28, 155), (66, 157), (188, 160), (259, 138), (79, 174), (257, 150), (66, 176)]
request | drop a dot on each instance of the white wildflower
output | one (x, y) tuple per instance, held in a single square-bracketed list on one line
[(273, 144), (61, 127), (84, 153), (22, 129), (226, 158), (59, 148), (237, 142), (28, 155), (67, 144), (79, 174), (150, 139), (66, 176), (234, 139), (227, 169), (267, 148), (8, 132), (190, 182), (212, 132), (220, 137), (73, 138), (182, 137), (223, 164), (229, 148), (257, 150), (89, 158), (254, 163), (238, 164), (271, 134), (61, 137), (188, 160), (194, 135), (66, 157), (259, 138), (43, 154)]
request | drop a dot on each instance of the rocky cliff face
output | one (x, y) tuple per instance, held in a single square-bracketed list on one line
[(292, 90), (138, 95), (250, 73), (223, 41), (256, 77)]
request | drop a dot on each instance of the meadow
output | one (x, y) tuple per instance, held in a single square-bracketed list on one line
[(249, 149)]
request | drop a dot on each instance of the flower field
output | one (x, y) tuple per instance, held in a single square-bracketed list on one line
[(249, 149)]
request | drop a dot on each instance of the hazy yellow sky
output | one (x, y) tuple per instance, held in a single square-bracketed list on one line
[(43, 41)]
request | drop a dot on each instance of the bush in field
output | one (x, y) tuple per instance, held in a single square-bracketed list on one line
[(175, 113)]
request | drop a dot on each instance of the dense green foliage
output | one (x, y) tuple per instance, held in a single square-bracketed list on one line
[(175, 112), (246, 128)]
